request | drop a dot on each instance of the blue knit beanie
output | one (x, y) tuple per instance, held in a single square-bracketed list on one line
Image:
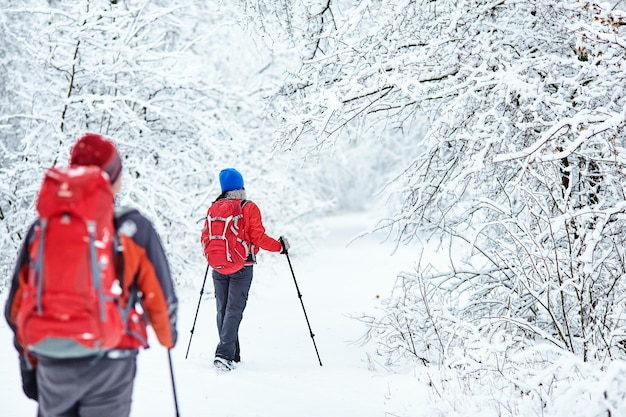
[(230, 179)]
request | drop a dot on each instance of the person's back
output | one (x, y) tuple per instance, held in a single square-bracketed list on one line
[(231, 289), (101, 385)]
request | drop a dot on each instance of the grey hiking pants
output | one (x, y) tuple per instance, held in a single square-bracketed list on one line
[(231, 296), (86, 387)]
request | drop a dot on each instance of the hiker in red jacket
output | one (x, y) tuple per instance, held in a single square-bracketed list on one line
[(231, 290), (101, 385)]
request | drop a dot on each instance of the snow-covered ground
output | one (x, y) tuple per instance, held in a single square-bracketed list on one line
[(279, 374)]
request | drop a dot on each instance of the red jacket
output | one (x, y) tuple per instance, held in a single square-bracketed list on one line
[(254, 231)]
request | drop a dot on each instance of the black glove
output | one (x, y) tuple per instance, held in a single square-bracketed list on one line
[(29, 383), (285, 244)]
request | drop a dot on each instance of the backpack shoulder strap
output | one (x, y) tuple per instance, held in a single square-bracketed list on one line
[(118, 258), (118, 248), (244, 202)]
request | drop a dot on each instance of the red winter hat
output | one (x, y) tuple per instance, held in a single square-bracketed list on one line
[(93, 149)]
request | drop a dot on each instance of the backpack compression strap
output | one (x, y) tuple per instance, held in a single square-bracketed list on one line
[(226, 221), (38, 276)]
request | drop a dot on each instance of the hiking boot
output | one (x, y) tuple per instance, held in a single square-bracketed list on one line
[(223, 364)]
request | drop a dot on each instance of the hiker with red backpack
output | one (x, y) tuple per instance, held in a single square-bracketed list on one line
[(86, 282), (232, 235)]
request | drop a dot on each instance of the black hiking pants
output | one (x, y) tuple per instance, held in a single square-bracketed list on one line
[(231, 296)]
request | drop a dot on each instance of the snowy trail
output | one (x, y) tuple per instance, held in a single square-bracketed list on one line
[(279, 374)]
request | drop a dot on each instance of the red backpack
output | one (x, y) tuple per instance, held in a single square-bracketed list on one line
[(223, 236), (70, 306)]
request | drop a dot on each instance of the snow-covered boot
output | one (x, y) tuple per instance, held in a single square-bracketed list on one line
[(223, 364)]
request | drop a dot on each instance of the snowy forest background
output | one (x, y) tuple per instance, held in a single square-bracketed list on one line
[(492, 130)]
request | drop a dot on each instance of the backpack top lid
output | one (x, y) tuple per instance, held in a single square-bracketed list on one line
[(75, 190), (226, 206)]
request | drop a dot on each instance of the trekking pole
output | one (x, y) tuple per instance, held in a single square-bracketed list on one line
[(300, 297), (169, 355), (197, 309)]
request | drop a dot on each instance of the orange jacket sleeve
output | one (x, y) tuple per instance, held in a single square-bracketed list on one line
[(146, 267), (139, 271)]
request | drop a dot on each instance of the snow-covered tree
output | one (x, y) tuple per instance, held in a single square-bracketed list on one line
[(148, 75), (523, 157)]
